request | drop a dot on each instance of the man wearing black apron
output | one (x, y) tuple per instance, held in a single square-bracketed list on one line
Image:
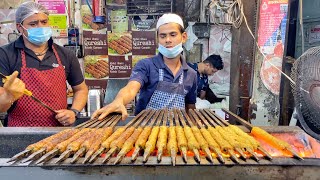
[(165, 80)]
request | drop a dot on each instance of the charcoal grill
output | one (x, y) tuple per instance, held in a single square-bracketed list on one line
[(14, 140)]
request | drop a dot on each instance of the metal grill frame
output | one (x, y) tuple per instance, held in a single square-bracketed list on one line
[(150, 7)]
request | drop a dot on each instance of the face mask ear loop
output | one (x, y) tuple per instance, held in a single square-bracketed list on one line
[(24, 29)]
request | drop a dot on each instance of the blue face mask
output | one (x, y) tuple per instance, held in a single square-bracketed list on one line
[(170, 52), (39, 35)]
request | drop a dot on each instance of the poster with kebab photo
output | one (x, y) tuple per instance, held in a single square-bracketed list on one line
[(95, 47), (87, 18)]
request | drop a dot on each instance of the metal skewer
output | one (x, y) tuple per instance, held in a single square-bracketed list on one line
[(132, 139), (183, 121), (206, 150), (229, 151), (116, 147), (249, 126), (137, 149)]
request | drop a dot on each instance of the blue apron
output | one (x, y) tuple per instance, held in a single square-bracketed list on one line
[(167, 94)]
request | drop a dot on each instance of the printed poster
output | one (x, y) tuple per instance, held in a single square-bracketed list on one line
[(119, 43), (87, 18), (59, 25), (271, 37), (144, 42), (120, 66), (95, 43), (54, 7)]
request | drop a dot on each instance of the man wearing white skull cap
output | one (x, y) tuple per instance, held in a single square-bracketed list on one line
[(44, 67), (165, 80)]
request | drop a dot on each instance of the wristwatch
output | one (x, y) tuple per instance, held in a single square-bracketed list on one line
[(76, 112)]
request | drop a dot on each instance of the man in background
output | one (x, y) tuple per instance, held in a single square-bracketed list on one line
[(208, 67)]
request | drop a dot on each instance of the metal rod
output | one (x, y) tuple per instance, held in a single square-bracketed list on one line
[(35, 155), (20, 155)]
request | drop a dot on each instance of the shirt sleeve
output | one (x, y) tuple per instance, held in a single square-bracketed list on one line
[(140, 73), (206, 84), (75, 77), (191, 97), (4, 65)]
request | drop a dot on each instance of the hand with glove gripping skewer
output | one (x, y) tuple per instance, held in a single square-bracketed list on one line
[(12, 90)]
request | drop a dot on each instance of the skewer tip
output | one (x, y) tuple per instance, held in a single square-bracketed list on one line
[(208, 153), (197, 155), (109, 154), (135, 154), (173, 156), (159, 155), (267, 155), (295, 154), (63, 156), (184, 154), (20, 155), (233, 157), (119, 159), (34, 156), (96, 154), (146, 156)]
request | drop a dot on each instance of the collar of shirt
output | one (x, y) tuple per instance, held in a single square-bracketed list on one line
[(160, 64), (19, 43)]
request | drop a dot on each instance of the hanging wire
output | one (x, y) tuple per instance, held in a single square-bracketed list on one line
[(235, 16)]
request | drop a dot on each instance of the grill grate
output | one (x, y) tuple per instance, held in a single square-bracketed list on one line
[(148, 7)]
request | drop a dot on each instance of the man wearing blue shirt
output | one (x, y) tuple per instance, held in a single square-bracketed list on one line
[(208, 67), (164, 80)]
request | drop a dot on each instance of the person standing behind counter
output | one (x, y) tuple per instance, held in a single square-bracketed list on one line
[(208, 67), (164, 80), (44, 68)]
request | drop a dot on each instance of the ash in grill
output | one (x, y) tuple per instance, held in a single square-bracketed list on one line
[(199, 136)]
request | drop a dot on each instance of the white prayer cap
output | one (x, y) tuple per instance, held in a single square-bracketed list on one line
[(169, 18), (29, 8)]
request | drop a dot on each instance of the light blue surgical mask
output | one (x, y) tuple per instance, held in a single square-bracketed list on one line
[(39, 35), (170, 52)]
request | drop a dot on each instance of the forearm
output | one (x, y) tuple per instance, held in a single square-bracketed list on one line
[(190, 106), (202, 94), (125, 96), (80, 98), (6, 100)]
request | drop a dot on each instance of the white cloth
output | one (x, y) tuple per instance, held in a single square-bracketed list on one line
[(169, 18), (191, 36)]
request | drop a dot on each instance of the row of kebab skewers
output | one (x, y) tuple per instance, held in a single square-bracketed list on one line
[(169, 132)]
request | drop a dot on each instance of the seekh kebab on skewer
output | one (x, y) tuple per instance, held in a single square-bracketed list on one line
[(99, 139), (152, 139), (105, 146), (258, 132), (41, 145), (223, 143), (162, 136), (118, 143), (96, 135), (128, 144), (192, 141), (143, 137), (213, 145), (172, 145), (196, 131), (242, 143), (181, 138)]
